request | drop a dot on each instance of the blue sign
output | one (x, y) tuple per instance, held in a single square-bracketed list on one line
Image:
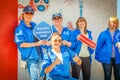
[(43, 31)]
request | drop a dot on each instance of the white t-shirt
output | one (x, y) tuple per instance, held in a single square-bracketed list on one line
[(84, 50), (59, 55)]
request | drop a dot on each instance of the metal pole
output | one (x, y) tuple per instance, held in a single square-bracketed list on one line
[(81, 8)]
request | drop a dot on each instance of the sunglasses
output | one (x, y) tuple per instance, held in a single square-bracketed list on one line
[(56, 18), (58, 40), (29, 13)]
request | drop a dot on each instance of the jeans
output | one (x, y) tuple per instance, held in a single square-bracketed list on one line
[(108, 70), (34, 69)]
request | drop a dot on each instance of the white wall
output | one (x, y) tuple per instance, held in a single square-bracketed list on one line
[(118, 9), (70, 13), (96, 12)]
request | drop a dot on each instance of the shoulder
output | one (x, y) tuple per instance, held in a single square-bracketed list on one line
[(89, 31), (33, 24), (104, 32), (19, 28), (76, 31)]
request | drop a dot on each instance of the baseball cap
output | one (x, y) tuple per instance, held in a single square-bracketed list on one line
[(56, 15), (28, 9)]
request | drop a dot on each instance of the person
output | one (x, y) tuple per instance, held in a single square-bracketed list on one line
[(65, 33), (57, 61), (107, 52), (82, 50), (24, 39), (70, 26)]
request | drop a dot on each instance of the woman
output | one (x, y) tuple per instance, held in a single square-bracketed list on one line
[(107, 51), (57, 60), (82, 50), (65, 33), (24, 39)]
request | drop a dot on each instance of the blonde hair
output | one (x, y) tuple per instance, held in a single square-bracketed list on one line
[(114, 19), (22, 16), (82, 19), (54, 34)]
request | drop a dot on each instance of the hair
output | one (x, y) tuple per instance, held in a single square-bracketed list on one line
[(54, 34), (114, 19), (22, 15), (82, 19)]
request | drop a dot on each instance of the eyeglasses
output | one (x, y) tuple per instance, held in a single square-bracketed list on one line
[(29, 13), (58, 40)]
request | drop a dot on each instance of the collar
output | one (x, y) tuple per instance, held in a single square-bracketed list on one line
[(31, 23)]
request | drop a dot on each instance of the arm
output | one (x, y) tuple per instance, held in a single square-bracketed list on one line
[(26, 44), (77, 60), (49, 68), (21, 41), (100, 43), (67, 43)]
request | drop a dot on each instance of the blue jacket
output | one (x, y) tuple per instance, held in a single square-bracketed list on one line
[(78, 43), (104, 47), (62, 70), (65, 35), (25, 34)]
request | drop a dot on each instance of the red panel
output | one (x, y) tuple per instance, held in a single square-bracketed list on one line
[(8, 50)]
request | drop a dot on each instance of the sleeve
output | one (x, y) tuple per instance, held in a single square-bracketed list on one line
[(71, 54), (19, 36), (118, 37), (72, 39), (100, 44), (90, 49), (46, 61)]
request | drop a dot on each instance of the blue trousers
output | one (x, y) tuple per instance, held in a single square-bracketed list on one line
[(108, 70), (34, 69)]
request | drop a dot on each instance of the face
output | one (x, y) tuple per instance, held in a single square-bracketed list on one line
[(56, 41), (70, 26), (81, 24), (113, 25), (57, 21), (28, 16)]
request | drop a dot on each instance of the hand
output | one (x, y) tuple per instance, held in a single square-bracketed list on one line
[(57, 61), (41, 42), (118, 44), (48, 43), (64, 42), (77, 60)]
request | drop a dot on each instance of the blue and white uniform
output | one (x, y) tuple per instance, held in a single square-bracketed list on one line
[(78, 43), (84, 52), (62, 70), (25, 34), (108, 53), (104, 47)]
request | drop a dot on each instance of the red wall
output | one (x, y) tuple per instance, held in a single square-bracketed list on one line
[(8, 50)]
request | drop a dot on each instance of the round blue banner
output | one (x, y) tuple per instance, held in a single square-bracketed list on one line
[(43, 31)]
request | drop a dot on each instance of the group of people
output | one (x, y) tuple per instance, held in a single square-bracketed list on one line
[(65, 54)]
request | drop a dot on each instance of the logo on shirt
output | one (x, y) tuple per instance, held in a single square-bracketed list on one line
[(66, 33)]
